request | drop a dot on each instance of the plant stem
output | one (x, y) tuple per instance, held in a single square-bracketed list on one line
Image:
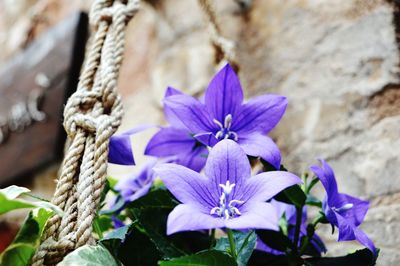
[(232, 243), (212, 238), (97, 228), (310, 236), (299, 214)]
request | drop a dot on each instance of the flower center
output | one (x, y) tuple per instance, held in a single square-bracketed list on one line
[(225, 129), (226, 208), (345, 207)]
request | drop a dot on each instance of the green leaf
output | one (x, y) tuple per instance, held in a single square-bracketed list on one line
[(137, 249), (153, 222), (113, 240), (292, 195), (274, 239), (245, 244), (22, 248), (9, 201), (160, 198), (13, 191), (89, 256), (313, 201), (203, 258), (361, 257)]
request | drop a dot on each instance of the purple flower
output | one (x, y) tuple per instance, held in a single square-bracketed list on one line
[(176, 142), (138, 184), (341, 210), (120, 149), (227, 196), (290, 213), (224, 116)]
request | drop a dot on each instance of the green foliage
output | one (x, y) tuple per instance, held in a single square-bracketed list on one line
[(9, 200), (203, 258), (89, 256), (275, 240), (361, 257), (25, 243), (292, 195), (113, 240), (245, 244)]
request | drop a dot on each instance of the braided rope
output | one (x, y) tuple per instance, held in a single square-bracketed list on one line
[(92, 114), (225, 48)]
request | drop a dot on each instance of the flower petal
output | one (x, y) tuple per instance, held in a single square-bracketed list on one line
[(120, 150), (261, 146), (364, 240), (170, 141), (260, 114), (327, 178), (169, 114), (259, 215), (224, 94), (187, 186), (348, 231), (227, 161), (195, 159), (357, 213), (190, 112), (264, 186), (207, 139), (185, 217)]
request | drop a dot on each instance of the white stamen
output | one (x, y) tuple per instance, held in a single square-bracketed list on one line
[(228, 121), (345, 207), (226, 209)]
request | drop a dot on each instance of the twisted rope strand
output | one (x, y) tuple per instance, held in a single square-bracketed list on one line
[(225, 48), (92, 114)]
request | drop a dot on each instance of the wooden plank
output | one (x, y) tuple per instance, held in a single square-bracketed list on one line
[(49, 67)]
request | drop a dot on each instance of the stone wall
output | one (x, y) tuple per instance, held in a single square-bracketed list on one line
[(336, 61)]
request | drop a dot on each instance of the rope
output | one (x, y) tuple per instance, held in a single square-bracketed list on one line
[(225, 48), (92, 114)]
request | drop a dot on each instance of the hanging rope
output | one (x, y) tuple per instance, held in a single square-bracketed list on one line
[(92, 114), (225, 48)]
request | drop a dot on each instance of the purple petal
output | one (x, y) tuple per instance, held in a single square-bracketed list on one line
[(258, 215), (348, 231), (117, 222), (185, 217), (227, 161), (261, 146), (364, 240), (190, 112), (224, 94), (264, 186), (172, 91), (169, 114), (195, 159), (187, 186), (170, 141), (140, 192), (263, 247), (357, 213), (260, 114), (120, 150), (327, 178), (207, 139)]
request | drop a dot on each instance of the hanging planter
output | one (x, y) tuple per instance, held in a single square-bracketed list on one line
[(216, 192)]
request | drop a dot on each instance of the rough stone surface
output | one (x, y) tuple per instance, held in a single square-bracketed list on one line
[(336, 61)]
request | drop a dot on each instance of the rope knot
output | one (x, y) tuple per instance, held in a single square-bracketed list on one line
[(109, 13)]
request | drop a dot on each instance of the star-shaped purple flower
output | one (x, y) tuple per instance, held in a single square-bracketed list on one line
[(223, 115), (176, 142), (290, 213), (227, 196), (341, 210), (138, 184)]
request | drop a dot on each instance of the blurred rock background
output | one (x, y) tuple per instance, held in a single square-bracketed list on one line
[(336, 61)]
